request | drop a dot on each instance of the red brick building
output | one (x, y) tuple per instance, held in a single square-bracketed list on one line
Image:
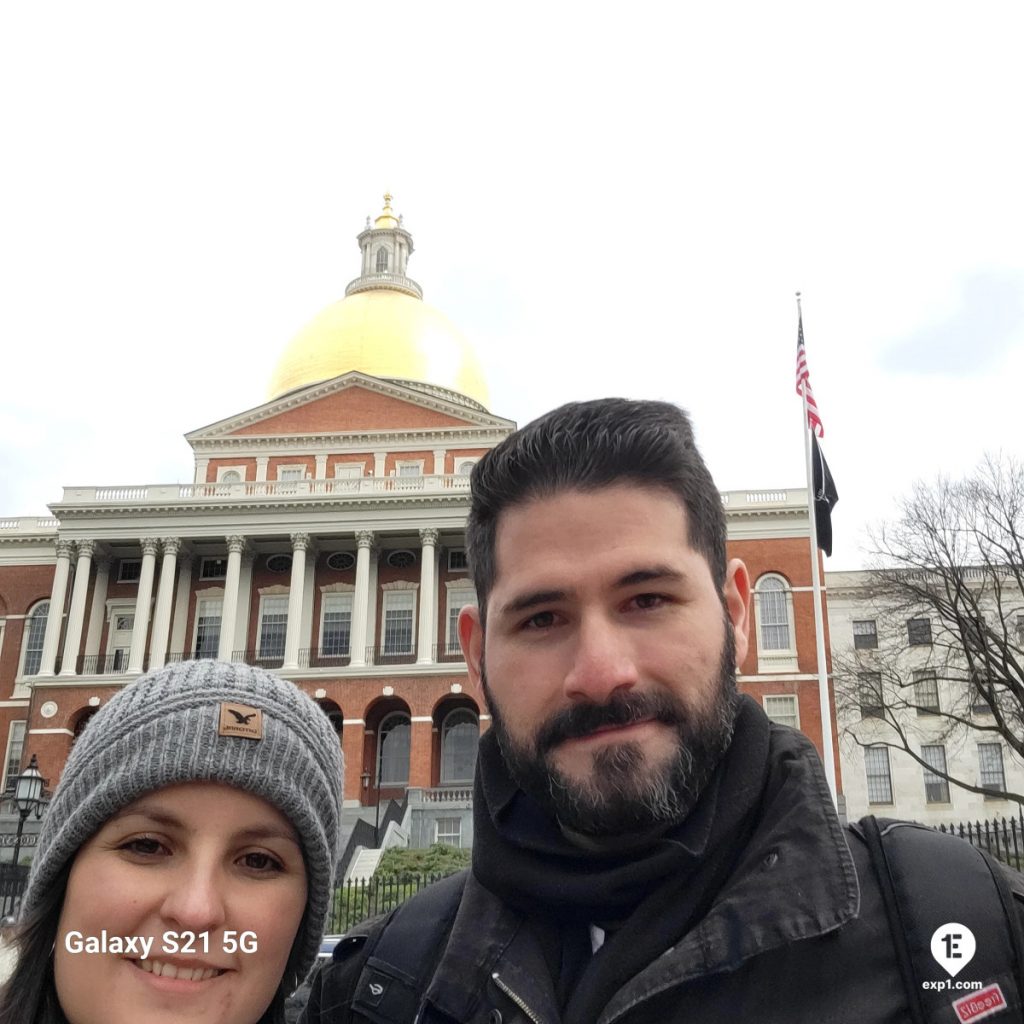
[(322, 537)]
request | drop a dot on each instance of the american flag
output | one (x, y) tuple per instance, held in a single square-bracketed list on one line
[(803, 382)]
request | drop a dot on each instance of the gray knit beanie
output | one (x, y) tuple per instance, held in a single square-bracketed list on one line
[(176, 725)]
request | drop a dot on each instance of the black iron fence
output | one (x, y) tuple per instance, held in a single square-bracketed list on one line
[(1001, 837), (356, 901)]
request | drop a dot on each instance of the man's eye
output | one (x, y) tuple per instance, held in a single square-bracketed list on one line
[(649, 600), (542, 620)]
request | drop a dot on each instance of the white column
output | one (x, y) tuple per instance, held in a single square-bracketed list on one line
[(321, 467), (262, 461), (229, 612), (364, 538), (99, 606), (439, 454), (300, 542), (55, 618), (76, 614), (428, 597), (177, 642), (202, 465), (137, 652), (379, 459), (164, 599)]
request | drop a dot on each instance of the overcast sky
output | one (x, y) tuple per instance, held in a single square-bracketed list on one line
[(605, 200)]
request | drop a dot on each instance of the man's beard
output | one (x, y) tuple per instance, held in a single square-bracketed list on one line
[(624, 794)]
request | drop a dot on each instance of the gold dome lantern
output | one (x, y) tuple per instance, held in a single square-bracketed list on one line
[(382, 327)]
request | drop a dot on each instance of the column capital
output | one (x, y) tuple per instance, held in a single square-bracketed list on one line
[(150, 545), (87, 548), (300, 541), (236, 543), (428, 536), (65, 549), (364, 538), (172, 546)]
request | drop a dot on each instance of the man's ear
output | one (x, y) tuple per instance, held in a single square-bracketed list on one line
[(737, 603), (471, 637)]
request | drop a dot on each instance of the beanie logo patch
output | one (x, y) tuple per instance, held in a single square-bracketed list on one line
[(240, 720)]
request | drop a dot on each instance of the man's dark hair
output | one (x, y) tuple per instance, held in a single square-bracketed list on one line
[(584, 446)]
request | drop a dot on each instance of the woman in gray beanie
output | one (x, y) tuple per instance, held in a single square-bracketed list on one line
[(185, 866)]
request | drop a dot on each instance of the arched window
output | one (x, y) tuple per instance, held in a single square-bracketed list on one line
[(460, 734), (231, 476), (773, 614), (32, 644), (773, 605), (382, 260), (393, 750)]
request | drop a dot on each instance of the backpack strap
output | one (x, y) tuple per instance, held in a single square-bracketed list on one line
[(872, 836), (928, 879), (400, 964)]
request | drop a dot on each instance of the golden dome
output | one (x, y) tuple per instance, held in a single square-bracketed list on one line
[(383, 333)]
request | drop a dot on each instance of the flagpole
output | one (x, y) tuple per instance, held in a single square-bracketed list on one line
[(824, 698)]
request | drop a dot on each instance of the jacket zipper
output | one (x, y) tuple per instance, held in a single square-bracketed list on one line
[(515, 999)]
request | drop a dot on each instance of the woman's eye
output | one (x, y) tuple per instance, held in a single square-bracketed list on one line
[(144, 846), (261, 862)]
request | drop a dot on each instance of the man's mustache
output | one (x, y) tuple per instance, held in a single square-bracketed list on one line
[(622, 709)]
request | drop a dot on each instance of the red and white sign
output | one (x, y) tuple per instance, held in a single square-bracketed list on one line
[(979, 1005)]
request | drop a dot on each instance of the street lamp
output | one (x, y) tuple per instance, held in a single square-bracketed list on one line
[(28, 796)]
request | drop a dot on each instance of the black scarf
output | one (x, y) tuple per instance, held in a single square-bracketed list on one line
[(651, 896)]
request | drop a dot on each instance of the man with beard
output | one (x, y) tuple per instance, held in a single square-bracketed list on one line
[(648, 847)]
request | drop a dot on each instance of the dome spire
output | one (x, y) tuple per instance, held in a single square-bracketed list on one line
[(386, 248)]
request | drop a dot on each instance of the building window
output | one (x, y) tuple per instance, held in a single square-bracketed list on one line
[(230, 475), (382, 260), (1020, 629), (409, 468), (926, 693), (869, 695), (15, 747), (336, 625), (273, 627), (279, 563), (213, 568), (990, 758), (448, 831), (876, 763), (348, 470), (398, 616), (773, 614), (393, 752), (460, 734), (401, 559), (457, 561), (341, 561), (129, 570), (465, 467), (208, 613), (32, 645), (291, 472), (936, 788), (458, 599), (865, 634), (782, 708), (919, 632)]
